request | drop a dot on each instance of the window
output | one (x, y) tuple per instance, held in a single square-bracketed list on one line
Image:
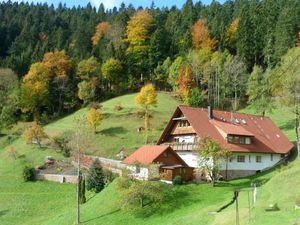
[(234, 139), (137, 168), (184, 123), (247, 140), (258, 159), (165, 154), (241, 158)]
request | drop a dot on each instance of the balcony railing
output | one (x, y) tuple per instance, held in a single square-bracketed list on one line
[(182, 146)]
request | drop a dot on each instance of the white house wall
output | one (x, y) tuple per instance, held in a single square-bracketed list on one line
[(250, 162), (192, 160), (142, 175)]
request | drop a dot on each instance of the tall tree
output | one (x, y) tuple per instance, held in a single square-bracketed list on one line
[(201, 37), (147, 98), (35, 89), (138, 36), (259, 91)]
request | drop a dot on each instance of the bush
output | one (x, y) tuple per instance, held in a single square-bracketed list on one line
[(109, 176), (29, 173), (177, 180), (94, 105), (118, 107)]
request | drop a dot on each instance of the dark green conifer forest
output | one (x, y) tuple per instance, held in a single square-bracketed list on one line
[(55, 59)]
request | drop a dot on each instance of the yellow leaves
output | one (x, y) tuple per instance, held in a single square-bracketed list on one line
[(231, 32), (58, 62), (147, 96), (185, 82), (34, 134), (35, 87), (94, 118), (298, 41), (101, 29), (10, 151), (201, 37), (138, 32)]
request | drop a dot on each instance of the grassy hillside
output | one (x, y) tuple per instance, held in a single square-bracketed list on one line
[(119, 128), (40, 203)]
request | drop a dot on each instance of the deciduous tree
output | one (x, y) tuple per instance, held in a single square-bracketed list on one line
[(35, 89), (147, 98), (94, 118), (201, 37), (35, 134), (112, 70), (101, 29)]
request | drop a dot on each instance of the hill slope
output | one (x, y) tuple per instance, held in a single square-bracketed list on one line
[(53, 203), (119, 128)]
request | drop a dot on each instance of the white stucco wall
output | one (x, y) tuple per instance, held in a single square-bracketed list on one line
[(189, 157), (192, 160), (250, 161), (142, 175)]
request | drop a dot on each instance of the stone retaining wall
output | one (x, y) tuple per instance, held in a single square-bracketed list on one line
[(58, 178)]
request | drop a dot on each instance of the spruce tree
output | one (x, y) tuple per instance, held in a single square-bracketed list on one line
[(95, 177)]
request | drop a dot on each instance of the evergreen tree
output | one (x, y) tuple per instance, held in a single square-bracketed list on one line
[(82, 190), (95, 177)]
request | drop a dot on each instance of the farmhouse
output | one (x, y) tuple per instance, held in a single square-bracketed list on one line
[(256, 142), (157, 161)]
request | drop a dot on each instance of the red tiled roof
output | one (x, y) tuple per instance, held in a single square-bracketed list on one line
[(268, 138), (229, 128), (147, 155)]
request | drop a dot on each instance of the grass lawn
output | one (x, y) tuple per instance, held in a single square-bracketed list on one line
[(37, 203), (119, 128)]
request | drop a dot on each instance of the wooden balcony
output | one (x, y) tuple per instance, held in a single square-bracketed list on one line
[(182, 146)]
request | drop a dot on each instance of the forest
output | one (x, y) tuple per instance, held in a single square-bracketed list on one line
[(56, 59)]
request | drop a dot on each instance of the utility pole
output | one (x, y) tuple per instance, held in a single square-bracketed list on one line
[(78, 177)]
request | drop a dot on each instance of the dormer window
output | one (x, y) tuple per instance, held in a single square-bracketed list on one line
[(235, 139)]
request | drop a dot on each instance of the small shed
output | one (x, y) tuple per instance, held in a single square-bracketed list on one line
[(170, 164)]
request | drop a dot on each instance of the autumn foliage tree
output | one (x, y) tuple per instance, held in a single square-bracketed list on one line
[(101, 29), (35, 133), (231, 33), (94, 118), (35, 89), (185, 82), (60, 66), (147, 98), (138, 36), (10, 151), (201, 37)]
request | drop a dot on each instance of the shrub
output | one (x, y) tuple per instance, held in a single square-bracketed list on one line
[(94, 105), (118, 107), (109, 176), (177, 180), (61, 142), (29, 173)]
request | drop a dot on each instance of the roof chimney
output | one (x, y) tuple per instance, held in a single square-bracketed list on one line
[(210, 112)]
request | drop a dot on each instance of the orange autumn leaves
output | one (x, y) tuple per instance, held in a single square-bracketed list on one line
[(201, 37), (101, 29)]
